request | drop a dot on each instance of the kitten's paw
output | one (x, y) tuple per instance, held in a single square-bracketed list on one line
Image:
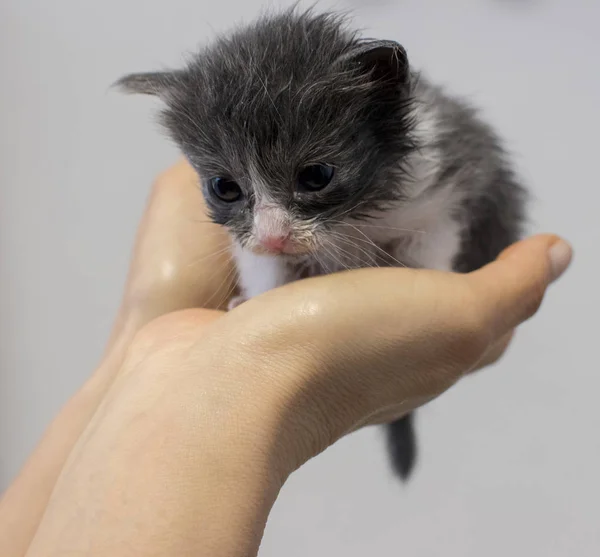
[(235, 302)]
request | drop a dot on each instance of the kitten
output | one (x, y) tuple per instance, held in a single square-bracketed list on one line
[(321, 151)]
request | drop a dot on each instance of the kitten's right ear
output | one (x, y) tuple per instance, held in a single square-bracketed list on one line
[(384, 61), (158, 84)]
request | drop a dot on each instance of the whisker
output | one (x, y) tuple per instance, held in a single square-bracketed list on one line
[(226, 280), (215, 234), (370, 242), (370, 258), (370, 263), (322, 264), (231, 290), (382, 251), (334, 256), (349, 241), (209, 256), (379, 226), (361, 202)]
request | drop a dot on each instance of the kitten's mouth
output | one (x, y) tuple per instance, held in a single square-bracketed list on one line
[(289, 252), (287, 248), (281, 244)]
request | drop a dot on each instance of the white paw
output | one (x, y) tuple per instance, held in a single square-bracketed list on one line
[(235, 302)]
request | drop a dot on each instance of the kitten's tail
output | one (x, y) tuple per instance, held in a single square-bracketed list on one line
[(402, 446)]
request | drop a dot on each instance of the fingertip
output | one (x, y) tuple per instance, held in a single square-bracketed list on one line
[(560, 255), (512, 287), (537, 241), (559, 252)]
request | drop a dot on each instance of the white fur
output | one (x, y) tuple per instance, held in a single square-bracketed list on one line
[(433, 235), (258, 273), (436, 239)]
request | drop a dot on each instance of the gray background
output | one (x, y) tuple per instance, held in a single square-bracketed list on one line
[(511, 458)]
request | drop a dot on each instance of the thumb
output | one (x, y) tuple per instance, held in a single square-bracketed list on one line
[(514, 285)]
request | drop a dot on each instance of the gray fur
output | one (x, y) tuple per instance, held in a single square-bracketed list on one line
[(300, 88)]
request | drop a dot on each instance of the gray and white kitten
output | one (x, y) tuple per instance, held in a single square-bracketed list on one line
[(321, 151)]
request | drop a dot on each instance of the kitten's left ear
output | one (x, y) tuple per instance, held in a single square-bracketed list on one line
[(158, 84), (386, 61)]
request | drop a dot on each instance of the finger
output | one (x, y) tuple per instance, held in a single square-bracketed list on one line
[(197, 250), (181, 259), (512, 287)]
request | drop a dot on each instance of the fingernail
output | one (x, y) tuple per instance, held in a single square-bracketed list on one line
[(560, 257)]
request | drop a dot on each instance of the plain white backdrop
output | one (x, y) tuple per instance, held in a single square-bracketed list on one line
[(510, 459)]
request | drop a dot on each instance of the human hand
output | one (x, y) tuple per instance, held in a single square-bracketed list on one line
[(411, 333), (325, 366), (239, 400)]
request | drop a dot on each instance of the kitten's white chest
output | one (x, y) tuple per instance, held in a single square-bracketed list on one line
[(429, 234), (258, 273)]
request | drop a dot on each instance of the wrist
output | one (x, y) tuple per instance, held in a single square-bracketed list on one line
[(178, 446), (221, 432)]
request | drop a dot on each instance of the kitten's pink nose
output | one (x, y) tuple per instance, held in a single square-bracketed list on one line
[(276, 243)]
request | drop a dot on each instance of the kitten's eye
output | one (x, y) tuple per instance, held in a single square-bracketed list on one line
[(315, 177), (226, 190)]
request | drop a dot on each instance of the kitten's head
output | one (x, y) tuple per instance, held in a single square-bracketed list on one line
[(293, 124)]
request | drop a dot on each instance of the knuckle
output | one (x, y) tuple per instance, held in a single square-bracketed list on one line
[(533, 301), (474, 335)]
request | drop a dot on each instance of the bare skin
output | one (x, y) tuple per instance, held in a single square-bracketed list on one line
[(179, 442)]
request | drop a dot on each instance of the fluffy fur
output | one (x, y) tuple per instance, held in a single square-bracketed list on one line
[(419, 179)]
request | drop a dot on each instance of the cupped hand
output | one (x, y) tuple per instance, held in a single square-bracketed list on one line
[(331, 353)]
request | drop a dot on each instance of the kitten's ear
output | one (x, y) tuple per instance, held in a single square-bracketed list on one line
[(158, 84), (386, 61)]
